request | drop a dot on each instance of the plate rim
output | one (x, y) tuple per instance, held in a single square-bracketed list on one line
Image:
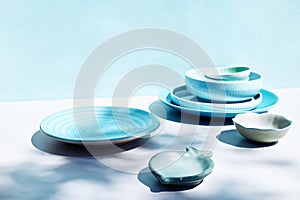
[(202, 105), (165, 93), (155, 122)]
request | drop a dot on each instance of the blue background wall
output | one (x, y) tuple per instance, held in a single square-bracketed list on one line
[(44, 43)]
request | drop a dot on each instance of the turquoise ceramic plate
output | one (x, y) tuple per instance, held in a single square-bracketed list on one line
[(181, 96), (183, 168), (99, 125), (269, 99)]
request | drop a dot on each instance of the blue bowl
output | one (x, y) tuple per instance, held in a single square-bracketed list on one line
[(222, 91)]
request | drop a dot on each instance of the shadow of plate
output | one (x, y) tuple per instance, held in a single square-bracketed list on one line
[(232, 137), (163, 111), (49, 145)]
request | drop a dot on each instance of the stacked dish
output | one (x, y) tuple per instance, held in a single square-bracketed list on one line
[(220, 92)]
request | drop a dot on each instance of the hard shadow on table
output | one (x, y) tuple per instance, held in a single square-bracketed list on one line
[(232, 137), (52, 146), (148, 179), (159, 109)]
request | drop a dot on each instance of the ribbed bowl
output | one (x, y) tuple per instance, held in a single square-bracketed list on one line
[(222, 91)]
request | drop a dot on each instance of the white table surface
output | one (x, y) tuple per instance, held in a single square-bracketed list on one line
[(33, 166)]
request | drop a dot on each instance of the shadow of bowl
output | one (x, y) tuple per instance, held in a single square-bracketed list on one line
[(147, 178), (232, 137)]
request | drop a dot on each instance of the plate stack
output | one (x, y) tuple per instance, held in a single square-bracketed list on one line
[(220, 92)]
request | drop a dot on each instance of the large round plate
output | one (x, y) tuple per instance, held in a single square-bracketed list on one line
[(269, 99), (99, 125)]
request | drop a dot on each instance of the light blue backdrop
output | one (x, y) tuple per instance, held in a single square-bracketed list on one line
[(44, 43)]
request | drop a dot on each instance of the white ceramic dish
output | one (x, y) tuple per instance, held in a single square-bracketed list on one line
[(181, 96), (265, 127), (222, 91), (231, 73), (184, 168)]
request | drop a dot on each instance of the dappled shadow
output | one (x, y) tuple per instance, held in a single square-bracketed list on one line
[(34, 180), (232, 137), (163, 111)]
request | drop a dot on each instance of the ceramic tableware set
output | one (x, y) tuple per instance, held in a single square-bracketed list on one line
[(223, 92), (234, 91)]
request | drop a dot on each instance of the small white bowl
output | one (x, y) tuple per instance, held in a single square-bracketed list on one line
[(265, 127), (231, 73), (222, 91)]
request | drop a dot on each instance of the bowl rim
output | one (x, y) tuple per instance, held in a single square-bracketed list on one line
[(203, 78), (245, 71), (236, 122)]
